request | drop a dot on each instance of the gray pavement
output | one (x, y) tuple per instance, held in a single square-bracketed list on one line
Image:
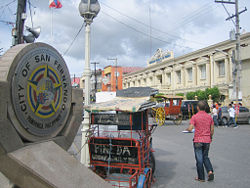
[(175, 163)]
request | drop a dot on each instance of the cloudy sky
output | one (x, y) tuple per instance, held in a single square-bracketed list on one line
[(130, 30)]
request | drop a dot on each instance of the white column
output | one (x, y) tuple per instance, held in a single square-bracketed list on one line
[(208, 75), (85, 123), (195, 76), (183, 77), (164, 79), (227, 72), (211, 70), (173, 79)]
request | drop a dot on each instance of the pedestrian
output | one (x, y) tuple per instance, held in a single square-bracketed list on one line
[(215, 116), (204, 130), (231, 112), (219, 114)]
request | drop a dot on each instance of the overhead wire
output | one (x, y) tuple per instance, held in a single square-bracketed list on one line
[(147, 25), (196, 13), (146, 34), (72, 42), (3, 6), (3, 10), (228, 13)]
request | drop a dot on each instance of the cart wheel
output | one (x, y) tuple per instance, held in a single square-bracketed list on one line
[(152, 162), (160, 116), (153, 112), (178, 119), (145, 179), (148, 179)]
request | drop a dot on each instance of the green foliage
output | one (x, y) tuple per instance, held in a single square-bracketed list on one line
[(203, 95), (214, 92), (159, 99), (159, 94), (190, 95), (180, 94)]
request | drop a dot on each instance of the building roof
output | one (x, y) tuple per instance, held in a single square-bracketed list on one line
[(126, 70)]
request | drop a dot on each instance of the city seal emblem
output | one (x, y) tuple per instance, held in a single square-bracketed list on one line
[(41, 92)]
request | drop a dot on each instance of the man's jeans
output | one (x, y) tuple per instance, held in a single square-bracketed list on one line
[(215, 119), (232, 120), (201, 155)]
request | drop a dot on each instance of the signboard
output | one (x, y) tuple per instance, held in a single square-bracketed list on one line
[(41, 92), (121, 119), (159, 56), (120, 151), (107, 70)]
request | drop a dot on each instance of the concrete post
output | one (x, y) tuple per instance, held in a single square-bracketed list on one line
[(85, 123), (210, 101)]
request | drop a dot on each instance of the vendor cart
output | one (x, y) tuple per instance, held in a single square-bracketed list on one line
[(120, 143)]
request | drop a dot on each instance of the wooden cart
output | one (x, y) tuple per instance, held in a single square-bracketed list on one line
[(171, 109)]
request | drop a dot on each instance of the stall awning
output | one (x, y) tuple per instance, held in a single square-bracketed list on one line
[(124, 104)]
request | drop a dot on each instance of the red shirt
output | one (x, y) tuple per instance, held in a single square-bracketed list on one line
[(202, 123)]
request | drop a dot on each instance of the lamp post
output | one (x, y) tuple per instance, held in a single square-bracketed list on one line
[(88, 10)]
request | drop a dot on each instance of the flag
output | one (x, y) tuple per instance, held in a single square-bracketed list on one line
[(55, 4)]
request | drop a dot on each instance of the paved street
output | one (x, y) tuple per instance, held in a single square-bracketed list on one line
[(175, 163)]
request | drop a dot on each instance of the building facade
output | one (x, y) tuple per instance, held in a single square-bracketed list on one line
[(112, 78), (112, 81), (205, 68)]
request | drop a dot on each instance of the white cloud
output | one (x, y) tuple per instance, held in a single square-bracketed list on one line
[(121, 29)]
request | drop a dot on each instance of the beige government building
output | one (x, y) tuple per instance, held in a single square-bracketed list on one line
[(205, 68)]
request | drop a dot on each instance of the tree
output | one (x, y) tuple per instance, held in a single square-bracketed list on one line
[(203, 95), (180, 94), (190, 95), (214, 92)]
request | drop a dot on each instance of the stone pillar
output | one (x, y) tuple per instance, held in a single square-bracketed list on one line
[(183, 77), (164, 79), (208, 75), (154, 79), (226, 67), (211, 70), (195, 74), (173, 79)]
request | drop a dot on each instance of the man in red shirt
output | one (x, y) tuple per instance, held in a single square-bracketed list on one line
[(204, 130)]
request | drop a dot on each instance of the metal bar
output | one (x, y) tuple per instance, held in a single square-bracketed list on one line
[(228, 2), (235, 15)]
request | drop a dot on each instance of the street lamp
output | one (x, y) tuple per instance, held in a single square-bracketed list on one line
[(88, 10)]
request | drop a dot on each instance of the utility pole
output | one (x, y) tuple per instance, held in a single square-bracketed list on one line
[(237, 85), (95, 63), (20, 19), (116, 76)]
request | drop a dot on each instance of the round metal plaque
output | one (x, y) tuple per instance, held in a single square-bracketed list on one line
[(41, 92)]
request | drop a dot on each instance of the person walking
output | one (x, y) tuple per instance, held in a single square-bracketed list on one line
[(231, 112), (204, 130), (219, 115), (215, 116)]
